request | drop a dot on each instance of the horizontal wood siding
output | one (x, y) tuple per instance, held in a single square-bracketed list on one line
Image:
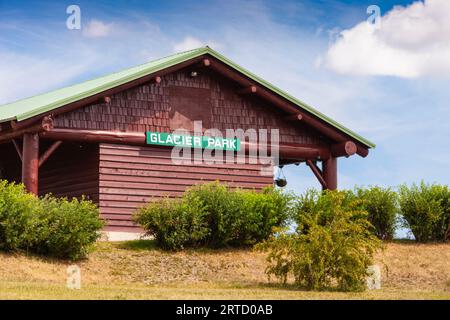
[(130, 176), (71, 171)]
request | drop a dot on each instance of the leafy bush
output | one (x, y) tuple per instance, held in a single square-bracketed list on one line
[(426, 209), (331, 247), (66, 228), (265, 212), (50, 226), (381, 206), (17, 208), (224, 212), (174, 223), (215, 215)]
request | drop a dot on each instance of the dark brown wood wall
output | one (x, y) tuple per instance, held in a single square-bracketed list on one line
[(71, 171), (10, 163), (133, 175)]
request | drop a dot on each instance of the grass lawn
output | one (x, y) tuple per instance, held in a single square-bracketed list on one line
[(137, 270)]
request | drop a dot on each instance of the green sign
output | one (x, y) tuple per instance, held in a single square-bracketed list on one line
[(185, 141)]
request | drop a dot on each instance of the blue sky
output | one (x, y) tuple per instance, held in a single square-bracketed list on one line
[(389, 85)]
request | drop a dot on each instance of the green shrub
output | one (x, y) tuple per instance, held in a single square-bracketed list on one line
[(331, 247), (215, 215), (224, 212), (174, 223), (426, 210), (265, 212), (66, 228), (240, 217), (50, 226), (17, 218), (381, 206)]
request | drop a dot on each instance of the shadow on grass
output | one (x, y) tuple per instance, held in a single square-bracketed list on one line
[(150, 245), (138, 245), (275, 285)]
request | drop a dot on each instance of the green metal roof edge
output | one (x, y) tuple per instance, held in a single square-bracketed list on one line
[(177, 58), (174, 60), (294, 100)]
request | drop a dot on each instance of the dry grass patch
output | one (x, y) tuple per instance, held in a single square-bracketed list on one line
[(409, 265), (137, 270)]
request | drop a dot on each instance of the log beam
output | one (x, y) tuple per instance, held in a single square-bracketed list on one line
[(49, 152), (30, 163), (318, 173), (45, 124), (343, 149), (106, 100), (205, 63), (287, 151), (96, 136), (329, 169), (248, 90), (294, 117), (156, 80)]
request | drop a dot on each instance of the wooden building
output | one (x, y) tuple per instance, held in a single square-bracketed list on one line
[(90, 139)]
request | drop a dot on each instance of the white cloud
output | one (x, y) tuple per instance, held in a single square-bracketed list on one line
[(411, 42), (97, 29), (189, 43)]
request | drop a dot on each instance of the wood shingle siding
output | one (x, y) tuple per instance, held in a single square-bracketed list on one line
[(180, 99)]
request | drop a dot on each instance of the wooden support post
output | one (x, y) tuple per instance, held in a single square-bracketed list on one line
[(30, 163), (49, 152), (329, 170)]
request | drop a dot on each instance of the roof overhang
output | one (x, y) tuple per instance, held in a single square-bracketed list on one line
[(25, 112)]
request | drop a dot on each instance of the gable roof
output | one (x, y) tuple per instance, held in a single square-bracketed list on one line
[(39, 104)]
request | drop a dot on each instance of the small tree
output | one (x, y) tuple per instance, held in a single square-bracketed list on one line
[(331, 247)]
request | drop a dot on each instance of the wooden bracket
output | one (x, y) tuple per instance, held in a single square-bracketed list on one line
[(19, 152), (49, 152), (317, 172)]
